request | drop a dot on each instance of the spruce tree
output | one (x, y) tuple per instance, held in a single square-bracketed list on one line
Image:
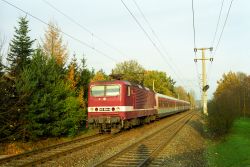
[(53, 108), (85, 77), (13, 104), (20, 48)]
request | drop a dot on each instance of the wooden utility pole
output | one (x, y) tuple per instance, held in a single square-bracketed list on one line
[(204, 76)]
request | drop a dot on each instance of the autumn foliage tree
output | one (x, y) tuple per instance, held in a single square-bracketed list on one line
[(100, 76), (79, 78), (129, 70), (192, 99), (182, 93), (53, 44), (132, 71), (73, 75), (162, 83), (229, 102)]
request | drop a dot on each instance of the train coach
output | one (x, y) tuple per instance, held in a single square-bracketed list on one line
[(122, 105)]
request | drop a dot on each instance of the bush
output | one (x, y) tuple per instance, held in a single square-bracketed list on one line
[(229, 103)]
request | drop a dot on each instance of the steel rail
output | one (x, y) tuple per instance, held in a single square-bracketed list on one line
[(138, 143), (161, 146), (76, 145)]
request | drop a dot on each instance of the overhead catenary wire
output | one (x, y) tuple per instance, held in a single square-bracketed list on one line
[(220, 36), (225, 22), (156, 36), (218, 22), (194, 32), (194, 43), (93, 35), (66, 34), (215, 33), (150, 39)]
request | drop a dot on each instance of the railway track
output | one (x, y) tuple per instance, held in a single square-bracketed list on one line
[(40, 156), (143, 152)]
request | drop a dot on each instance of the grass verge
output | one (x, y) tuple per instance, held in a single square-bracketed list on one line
[(17, 147), (234, 149)]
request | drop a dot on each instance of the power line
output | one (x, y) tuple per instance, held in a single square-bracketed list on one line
[(155, 35), (150, 39), (218, 21), (194, 40), (193, 24), (216, 48), (217, 45), (216, 30), (66, 34), (83, 28)]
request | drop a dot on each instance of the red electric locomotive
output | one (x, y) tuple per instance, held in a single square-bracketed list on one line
[(119, 104)]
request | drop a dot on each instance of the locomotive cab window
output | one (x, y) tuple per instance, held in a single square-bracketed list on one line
[(112, 90), (105, 90), (97, 90)]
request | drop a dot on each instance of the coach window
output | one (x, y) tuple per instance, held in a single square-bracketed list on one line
[(128, 91)]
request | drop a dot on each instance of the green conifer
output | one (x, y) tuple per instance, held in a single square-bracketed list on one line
[(20, 48), (53, 108)]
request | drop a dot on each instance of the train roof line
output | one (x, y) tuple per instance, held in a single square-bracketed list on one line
[(141, 87), (126, 82), (171, 98)]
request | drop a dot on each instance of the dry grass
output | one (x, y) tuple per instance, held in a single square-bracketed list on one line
[(17, 147)]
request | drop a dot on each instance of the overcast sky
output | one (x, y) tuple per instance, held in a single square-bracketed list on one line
[(110, 21)]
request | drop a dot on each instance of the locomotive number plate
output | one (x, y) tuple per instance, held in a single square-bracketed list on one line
[(104, 109)]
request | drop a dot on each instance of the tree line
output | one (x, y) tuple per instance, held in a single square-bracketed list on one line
[(44, 96), (230, 101)]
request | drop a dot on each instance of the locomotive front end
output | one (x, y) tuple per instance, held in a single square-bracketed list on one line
[(104, 105)]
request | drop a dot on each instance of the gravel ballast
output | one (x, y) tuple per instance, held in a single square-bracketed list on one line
[(186, 149)]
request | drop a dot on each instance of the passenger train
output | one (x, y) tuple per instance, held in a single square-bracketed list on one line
[(122, 105)]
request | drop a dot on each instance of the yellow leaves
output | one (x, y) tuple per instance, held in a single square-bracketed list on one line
[(181, 92), (71, 76), (99, 76), (160, 80), (228, 81), (130, 70), (53, 45), (81, 99)]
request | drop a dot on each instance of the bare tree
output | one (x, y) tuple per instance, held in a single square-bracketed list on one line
[(2, 42)]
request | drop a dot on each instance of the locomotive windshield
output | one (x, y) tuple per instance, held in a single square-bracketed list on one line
[(105, 90)]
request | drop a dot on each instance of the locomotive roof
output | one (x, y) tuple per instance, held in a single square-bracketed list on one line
[(118, 81), (142, 87), (121, 82), (110, 82)]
